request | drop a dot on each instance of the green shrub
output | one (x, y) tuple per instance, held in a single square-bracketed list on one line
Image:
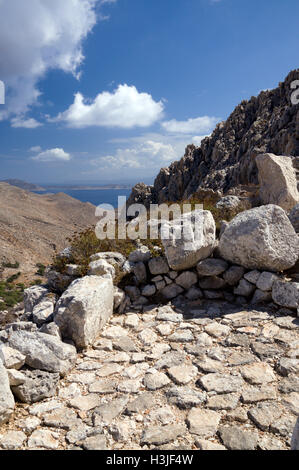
[(41, 269), (15, 265)]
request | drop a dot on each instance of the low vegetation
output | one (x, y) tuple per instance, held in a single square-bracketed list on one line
[(10, 294)]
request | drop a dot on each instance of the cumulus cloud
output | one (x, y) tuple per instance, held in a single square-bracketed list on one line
[(52, 155), (25, 123), (36, 36), (148, 154), (201, 125), (125, 108)]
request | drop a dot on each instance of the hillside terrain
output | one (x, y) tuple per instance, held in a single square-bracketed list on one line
[(226, 159), (33, 226), (23, 185)]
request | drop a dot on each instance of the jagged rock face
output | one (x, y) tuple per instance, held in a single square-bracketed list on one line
[(226, 159), (7, 402)]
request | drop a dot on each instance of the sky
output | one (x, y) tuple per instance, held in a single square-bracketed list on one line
[(110, 91)]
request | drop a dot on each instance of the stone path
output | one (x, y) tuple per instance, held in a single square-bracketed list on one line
[(174, 378)]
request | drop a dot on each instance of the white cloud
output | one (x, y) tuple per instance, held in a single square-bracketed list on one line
[(124, 108), (26, 123), (200, 125), (36, 36), (147, 154), (52, 155), (37, 148)]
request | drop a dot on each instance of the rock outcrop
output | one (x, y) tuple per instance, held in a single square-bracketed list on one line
[(278, 183), (226, 159)]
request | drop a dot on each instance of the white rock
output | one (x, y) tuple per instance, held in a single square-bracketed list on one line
[(11, 358), (189, 239), (261, 238), (100, 268), (277, 178), (7, 402), (84, 308)]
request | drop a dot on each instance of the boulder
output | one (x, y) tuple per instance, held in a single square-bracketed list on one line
[(37, 386), (244, 288), (101, 267), (294, 217), (32, 296), (229, 203), (286, 294), (277, 178), (212, 282), (7, 402), (148, 290), (261, 238), (43, 311), (42, 351), (189, 239), (84, 308), (11, 358)]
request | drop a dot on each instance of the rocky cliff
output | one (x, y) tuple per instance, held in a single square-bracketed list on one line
[(226, 159)]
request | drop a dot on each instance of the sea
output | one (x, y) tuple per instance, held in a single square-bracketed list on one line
[(94, 196)]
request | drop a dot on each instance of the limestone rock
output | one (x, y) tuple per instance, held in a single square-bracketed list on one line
[(43, 352), (32, 296), (233, 275), (203, 423), (84, 308), (11, 358), (158, 265), (235, 438), (286, 294), (101, 267), (186, 279), (7, 402), (189, 239), (277, 178), (265, 281), (294, 217), (141, 254), (37, 386), (261, 238), (211, 267), (171, 291)]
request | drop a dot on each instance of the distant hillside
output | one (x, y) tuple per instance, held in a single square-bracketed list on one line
[(33, 226), (226, 159), (23, 185)]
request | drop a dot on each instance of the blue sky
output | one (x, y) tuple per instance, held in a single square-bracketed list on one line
[(112, 90)]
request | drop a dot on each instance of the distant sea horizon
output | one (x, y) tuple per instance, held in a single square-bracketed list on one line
[(100, 195)]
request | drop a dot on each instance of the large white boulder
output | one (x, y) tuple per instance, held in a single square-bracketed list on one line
[(277, 178), (7, 402), (189, 239), (261, 238), (84, 308)]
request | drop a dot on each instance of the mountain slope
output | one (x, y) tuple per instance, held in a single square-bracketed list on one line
[(33, 226), (226, 159)]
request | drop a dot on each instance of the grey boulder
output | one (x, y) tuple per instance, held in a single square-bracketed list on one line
[(261, 238), (84, 308)]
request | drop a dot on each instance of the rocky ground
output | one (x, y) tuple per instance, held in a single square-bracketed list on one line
[(201, 375)]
